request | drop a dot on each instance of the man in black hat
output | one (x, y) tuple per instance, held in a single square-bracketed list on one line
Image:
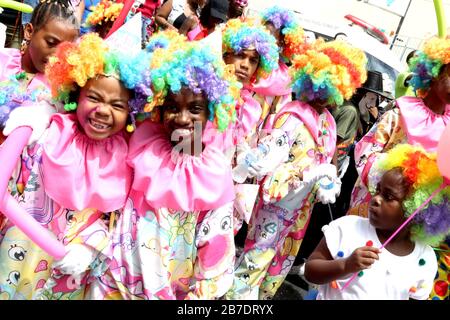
[(367, 99), (215, 12)]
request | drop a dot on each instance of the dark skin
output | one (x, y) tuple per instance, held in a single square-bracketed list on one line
[(245, 64), (43, 42), (438, 95), (182, 113), (385, 215)]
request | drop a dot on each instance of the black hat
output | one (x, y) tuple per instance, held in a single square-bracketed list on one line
[(219, 9), (374, 83)]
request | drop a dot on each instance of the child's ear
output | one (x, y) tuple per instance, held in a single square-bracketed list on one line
[(28, 31)]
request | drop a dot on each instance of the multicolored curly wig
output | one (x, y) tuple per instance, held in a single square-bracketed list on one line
[(104, 11), (240, 35), (427, 64), (293, 35), (432, 224), (328, 71), (189, 64), (75, 63), (13, 94)]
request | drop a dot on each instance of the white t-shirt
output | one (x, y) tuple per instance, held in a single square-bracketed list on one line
[(177, 10), (390, 278)]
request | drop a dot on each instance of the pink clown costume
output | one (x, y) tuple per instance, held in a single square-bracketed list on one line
[(285, 201), (174, 239)]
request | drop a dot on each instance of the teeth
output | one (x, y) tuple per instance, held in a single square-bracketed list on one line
[(97, 125), (183, 132)]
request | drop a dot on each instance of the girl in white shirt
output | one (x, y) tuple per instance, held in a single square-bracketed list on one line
[(406, 267)]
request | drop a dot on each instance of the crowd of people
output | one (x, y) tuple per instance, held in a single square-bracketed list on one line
[(193, 163)]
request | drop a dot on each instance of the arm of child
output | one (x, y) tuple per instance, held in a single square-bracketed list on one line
[(214, 265), (372, 145), (286, 177), (162, 14), (321, 268)]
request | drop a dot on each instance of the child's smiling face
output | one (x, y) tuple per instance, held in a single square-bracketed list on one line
[(182, 113), (102, 109), (385, 209)]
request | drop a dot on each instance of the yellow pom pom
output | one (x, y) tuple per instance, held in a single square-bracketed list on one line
[(130, 128)]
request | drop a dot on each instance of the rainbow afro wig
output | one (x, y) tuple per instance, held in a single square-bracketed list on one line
[(75, 63), (432, 224), (165, 39), (328, 71), (240, 35), (189, 64), (293, 35), (104, 11), (427, 63)]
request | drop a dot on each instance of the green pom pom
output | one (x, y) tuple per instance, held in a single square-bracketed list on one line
[(158, 84), (21, 75), (70, 106)]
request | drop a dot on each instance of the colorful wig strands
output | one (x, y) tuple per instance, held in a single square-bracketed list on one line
[(432, 224), (293, 35), (328, 71), (427, 63), (240, 35), (198, 68), (104, 11)]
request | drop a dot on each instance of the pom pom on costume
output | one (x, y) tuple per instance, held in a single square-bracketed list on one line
[(328, 71), (427, 63), (432, 224), (293, 34), (241, 35), (104, 11), (73, 64), (189, 64)]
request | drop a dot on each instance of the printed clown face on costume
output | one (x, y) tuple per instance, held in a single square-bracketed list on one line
[(245, 64), (215, 246), (184, 118), (385, 209), (43, 42), (102, 109)]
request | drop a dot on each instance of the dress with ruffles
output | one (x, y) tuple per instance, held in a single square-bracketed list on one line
[(276, 229), (74, 187), (174, 239)]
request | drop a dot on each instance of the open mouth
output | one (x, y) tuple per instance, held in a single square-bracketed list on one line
[(99, 126), (183, 132)]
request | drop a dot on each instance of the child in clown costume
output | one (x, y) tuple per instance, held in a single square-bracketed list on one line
[(22, 76), (275, 91), (405, 268), (272, 93), (88, 148), (323, 76), (416, 120), (174, 239), (252, 51)]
